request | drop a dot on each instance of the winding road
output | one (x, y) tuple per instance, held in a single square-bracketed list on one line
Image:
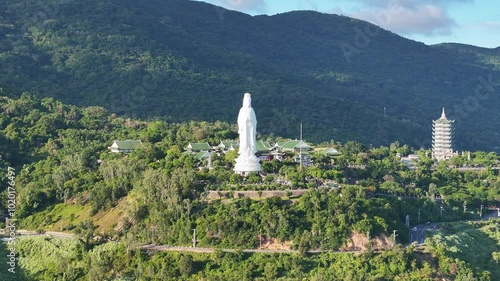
[(417, 236)]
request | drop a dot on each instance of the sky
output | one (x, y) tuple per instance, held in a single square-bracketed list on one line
[(473, 22)]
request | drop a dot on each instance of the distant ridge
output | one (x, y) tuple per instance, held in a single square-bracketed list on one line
[(183, 60)]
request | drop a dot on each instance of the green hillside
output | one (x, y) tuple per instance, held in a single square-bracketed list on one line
[(475, 243), (185, 60)]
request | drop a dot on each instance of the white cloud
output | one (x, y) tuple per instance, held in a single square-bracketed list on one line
[(426, 17), (241, 5), (409, 3), (406, 17), (422, 19)]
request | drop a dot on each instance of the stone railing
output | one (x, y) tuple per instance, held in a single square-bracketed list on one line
[(254, 194)]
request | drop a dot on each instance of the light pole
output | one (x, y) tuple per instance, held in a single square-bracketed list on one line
[(481, 212), (465, 206), (194, 238), (394, 236), (260, 240), (300, 148), (442, 210)]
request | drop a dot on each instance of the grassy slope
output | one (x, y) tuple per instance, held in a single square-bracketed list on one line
[(63, 216), (4, 274), (472, 243)]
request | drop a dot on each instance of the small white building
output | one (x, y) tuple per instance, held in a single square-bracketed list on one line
[(410, 161), (228, 145)]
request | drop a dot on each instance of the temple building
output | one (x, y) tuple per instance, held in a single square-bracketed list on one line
[(124, 146), (197, 147), (442, 138)]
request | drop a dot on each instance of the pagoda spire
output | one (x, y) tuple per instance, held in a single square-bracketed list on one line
[(443, 115)]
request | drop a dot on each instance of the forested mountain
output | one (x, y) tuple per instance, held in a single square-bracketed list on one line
[(186, 60)]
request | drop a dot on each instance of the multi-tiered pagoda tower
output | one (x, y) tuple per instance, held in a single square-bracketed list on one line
[(442, 138)]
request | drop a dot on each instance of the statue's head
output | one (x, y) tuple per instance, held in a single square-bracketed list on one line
[(247, 100)]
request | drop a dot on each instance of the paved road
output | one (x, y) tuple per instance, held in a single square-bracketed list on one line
[(417, 233), (491, 214), (153, 247), (55, 234)]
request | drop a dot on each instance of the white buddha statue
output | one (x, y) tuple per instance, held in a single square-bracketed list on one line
[(247, 128)]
